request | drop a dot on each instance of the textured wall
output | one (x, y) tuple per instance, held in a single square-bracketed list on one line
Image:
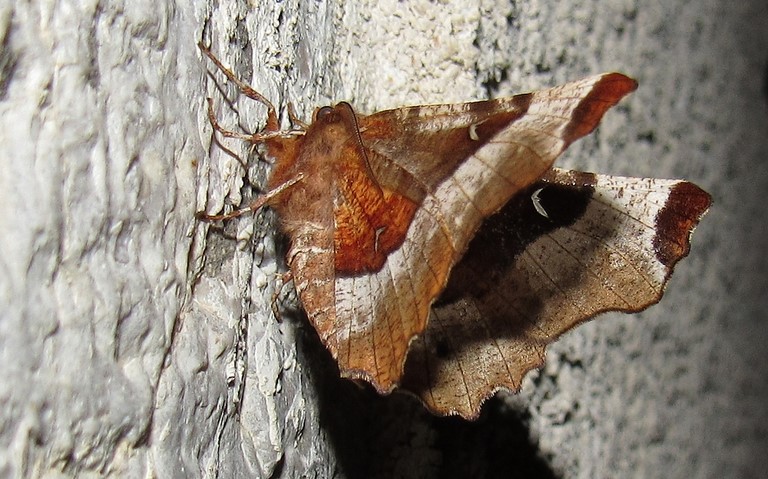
[(124, 352)]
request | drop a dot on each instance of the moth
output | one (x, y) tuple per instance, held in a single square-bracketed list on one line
[(437, 250)]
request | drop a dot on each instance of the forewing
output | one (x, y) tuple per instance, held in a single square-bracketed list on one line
[(459, 163)]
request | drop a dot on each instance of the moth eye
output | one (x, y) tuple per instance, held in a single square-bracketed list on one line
[(324, 113)]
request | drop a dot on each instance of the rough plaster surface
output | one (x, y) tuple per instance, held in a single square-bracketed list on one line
[(134, 343)]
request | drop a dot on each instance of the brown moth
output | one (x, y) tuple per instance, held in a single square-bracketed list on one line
[(435, 249)]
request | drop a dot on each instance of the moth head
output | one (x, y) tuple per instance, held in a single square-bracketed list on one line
[(339, 120), (333, 114)]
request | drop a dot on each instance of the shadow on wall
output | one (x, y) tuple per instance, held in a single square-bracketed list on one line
[(394, 436)]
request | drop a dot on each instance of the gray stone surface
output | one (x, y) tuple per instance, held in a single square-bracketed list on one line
[(126, 351)]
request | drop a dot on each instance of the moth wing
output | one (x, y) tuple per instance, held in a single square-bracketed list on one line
[(605, 244), (460, 163)]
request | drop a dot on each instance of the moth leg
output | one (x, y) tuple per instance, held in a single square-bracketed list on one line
[(282, 279), (272, 121), (255, 138), (255, 205), (295, 120), (227, 133), (272, 128), (230, 152)]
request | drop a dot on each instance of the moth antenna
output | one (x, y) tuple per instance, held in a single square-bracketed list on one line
[(255, 205), (351, 119)]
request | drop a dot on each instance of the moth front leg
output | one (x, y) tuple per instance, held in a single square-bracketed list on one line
[(272, 128), (272, 121), (271, 131), (255, 205)]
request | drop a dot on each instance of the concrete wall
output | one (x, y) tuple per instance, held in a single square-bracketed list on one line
[(133, 342)]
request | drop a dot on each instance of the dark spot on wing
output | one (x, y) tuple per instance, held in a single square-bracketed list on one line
[(676, 220)]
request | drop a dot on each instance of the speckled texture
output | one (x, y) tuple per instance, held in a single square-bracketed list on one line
[(122, 353)]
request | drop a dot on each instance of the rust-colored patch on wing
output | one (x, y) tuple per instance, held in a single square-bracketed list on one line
[(605, 94), (686, 205)]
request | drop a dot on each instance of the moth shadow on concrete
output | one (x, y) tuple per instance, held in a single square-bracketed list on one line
[(377, 436)]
